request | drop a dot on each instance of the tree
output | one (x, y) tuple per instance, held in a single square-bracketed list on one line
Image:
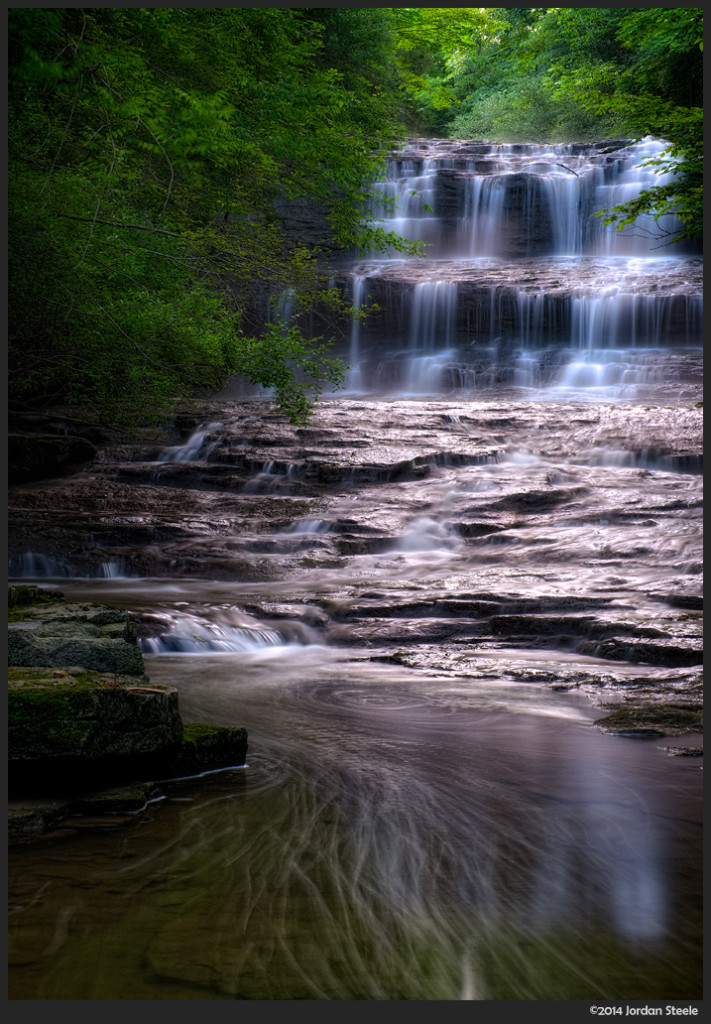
[(654, 88), (148, 148), (432, 45)]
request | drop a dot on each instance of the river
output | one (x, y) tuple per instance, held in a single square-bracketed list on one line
[(419, 605)]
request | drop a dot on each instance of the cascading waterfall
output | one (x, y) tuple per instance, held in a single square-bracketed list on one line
[(197, 445), (354, 381), (522, 282), (410, 606)]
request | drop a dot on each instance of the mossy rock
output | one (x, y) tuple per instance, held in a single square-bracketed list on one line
[(653, 720), (210, 748), (21, 596), (43, 630), (64, 729)]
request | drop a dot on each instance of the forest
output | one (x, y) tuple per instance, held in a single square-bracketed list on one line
[(153, 152)]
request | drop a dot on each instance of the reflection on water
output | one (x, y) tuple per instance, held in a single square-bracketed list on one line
[(393, 836)]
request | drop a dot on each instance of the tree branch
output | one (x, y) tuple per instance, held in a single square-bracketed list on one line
[(115, 224)]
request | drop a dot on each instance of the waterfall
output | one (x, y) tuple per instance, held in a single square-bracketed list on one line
[(354, 373), (432, 314), (196, 447), (480, 226), (404, 201), (522, 285)]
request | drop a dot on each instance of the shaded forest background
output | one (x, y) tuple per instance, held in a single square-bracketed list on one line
[(153, 153)]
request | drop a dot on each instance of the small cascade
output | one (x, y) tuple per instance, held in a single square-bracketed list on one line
[(427, 534), (523, 286), (405, 201), (309, 526), (282, 307), (112, 571), (432, 314), (193, 634), (268, 478), (478, 229), (354, 375), (31, 565), (632, 176), (196, 447)]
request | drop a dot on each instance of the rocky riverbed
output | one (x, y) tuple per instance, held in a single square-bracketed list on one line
[(554, 543), (465, 640)]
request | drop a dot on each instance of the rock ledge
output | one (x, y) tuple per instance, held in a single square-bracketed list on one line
[(83, 737)]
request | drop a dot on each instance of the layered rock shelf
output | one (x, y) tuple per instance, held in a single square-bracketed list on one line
[(87, 730)]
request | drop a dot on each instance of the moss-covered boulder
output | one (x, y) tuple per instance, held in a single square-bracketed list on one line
[(210, 747), (74, 730), (82, 714), (53, 633), (63, 728), (656, 719)]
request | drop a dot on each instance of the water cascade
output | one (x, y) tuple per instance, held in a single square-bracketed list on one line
[(522, 285)]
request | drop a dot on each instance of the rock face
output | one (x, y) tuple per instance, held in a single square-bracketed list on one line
[(45, 445), (99, 721)]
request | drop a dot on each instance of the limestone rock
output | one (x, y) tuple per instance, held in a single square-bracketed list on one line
[(209, 748), (82, 714), (93, 717)]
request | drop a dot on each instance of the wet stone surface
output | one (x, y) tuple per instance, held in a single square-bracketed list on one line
[(433, 532)]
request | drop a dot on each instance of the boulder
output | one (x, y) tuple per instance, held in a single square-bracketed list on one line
[(66, 728), (57, 634), (209, 748), (74, 731)]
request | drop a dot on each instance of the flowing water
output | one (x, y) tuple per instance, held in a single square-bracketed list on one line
[(418, 605)]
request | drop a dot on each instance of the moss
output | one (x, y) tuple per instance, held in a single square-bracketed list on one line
[(41, 675), (209, 747), (655, 720), (60, 708), (194, 732), (21, 596)]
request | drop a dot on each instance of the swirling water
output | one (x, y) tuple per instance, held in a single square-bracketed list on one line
[(392, 836)]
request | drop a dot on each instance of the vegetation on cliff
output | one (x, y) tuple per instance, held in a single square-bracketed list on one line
[(155, 155)]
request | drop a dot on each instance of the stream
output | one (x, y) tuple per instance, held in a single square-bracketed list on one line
[(419, 605)]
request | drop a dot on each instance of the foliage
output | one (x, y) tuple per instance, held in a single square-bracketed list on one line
[(581, 74), (526, 112), (432, 46), (148, 149)]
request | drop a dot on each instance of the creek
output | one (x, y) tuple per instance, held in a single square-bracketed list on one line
[(418, 605)]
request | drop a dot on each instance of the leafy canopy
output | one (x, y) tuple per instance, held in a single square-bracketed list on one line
[(149, 149)]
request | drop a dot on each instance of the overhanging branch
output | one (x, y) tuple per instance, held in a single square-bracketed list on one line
[(115, 224)]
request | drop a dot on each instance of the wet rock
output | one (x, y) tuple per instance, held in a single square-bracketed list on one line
[(657, 720), (454, 529), (208, 748), (668, 653), (83, 721), (97, 718), (74, 733), (60, 634)]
